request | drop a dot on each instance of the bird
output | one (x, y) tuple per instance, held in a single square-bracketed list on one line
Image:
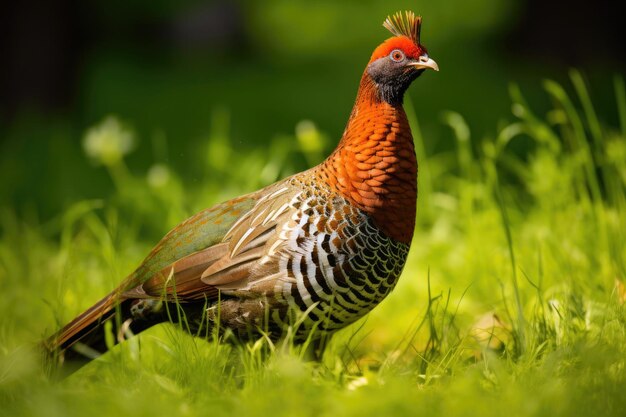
[(322, 247)]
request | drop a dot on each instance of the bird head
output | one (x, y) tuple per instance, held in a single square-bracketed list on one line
[(401, 59)]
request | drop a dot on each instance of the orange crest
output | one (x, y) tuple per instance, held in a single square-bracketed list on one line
[(406, 28), (403, 43)]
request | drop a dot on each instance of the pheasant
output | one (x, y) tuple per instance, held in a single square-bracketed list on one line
[(325, 245)]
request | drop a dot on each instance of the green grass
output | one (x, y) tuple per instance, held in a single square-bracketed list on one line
[(512, 301)]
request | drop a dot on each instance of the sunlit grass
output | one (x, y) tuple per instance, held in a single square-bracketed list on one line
[(512, 301)]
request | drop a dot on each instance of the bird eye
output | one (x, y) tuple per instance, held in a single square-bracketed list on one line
[(397, 55)]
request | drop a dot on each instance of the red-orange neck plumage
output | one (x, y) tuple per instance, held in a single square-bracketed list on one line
[(374, 165)]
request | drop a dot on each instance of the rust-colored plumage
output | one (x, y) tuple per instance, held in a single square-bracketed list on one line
[(329, 242), (374, 165)]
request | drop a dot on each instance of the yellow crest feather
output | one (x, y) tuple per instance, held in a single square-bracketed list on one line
[(407, 24)]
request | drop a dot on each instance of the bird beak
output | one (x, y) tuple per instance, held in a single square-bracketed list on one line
[(424, 62)]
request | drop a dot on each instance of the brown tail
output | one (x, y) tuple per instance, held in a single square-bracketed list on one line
[(83, 339)]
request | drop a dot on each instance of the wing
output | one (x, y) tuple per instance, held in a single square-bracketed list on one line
[(223, 248)]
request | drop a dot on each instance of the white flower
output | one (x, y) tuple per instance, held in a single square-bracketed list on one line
[(108, 142)]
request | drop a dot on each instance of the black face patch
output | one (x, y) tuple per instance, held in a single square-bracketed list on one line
[(392, 78)]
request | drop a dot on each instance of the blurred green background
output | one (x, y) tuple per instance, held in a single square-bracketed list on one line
[(167, 68)]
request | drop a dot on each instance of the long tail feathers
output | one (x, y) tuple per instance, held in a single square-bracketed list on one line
[(83, 338)]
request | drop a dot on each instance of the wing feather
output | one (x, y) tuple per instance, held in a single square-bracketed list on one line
[(227, 269), (237, 262)]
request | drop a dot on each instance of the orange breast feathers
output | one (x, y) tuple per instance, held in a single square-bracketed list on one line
[(374, 166)]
